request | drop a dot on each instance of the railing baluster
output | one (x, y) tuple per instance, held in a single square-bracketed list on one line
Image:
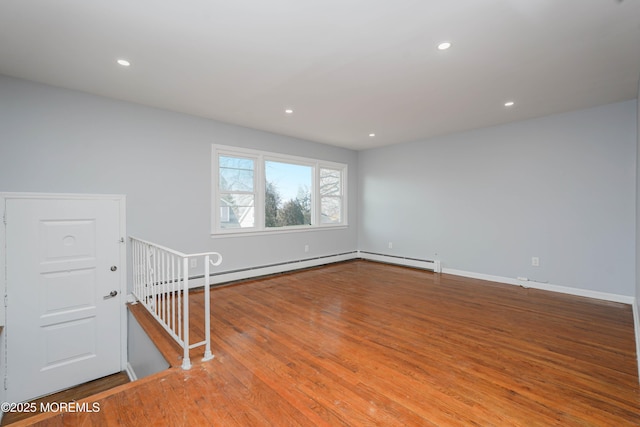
[(154, 272), (136, 265), (164, 288), (173, 293), (134, 257), (179, 277), (147, 270), (147, 273)]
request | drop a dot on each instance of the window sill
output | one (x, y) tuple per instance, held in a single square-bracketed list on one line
[(282, 231)]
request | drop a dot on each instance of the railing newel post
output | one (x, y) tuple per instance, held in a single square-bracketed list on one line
[(207, 311), (186, 361)]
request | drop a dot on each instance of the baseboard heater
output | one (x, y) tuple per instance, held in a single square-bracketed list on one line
[(424, 264), (265, 270), (282, 267)]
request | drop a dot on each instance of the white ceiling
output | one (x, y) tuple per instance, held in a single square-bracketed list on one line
[(346, 67)]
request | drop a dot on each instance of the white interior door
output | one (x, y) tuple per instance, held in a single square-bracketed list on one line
[(64, 293)]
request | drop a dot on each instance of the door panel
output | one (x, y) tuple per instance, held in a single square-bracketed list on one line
[(67, 241), (67, 290), (60, 330), (79, 338)]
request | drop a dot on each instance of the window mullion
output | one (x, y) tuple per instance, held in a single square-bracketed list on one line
[(315, 196), (259, 185)]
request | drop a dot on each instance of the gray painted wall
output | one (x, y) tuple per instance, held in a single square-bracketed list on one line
[(636, 311), (561, 188), (637, 294), (142, 354), (56, 140)]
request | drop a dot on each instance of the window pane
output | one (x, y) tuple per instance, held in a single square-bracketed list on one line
[(225, 213), (237, 211), (330, 182), (235, 162), (287, 194), (331, 210), (236, 174)]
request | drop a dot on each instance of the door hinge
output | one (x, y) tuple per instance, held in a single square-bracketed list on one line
[(6, 381), (6, 300)]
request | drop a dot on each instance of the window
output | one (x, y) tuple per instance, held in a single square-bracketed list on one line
[(287, 194), (330, 196), (237, 192), (256, 191)]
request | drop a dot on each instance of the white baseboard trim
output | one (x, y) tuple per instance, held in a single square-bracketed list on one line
[(253, 272), (131, 373), (544, 286), (249, 273), (434, 266)]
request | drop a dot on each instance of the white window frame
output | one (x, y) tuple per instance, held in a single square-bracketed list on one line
[(259, 158)]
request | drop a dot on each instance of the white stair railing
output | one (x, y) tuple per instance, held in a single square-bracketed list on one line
[(161, 285)]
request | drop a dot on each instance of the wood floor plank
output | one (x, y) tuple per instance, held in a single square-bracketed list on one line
[(363, 343), (72, 394)]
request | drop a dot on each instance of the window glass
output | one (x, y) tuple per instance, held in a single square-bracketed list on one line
[(330, 196), (237, 198), (237, 211), (287, 194), (236, 174)]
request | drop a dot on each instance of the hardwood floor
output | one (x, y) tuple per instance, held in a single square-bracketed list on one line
[(73, 394), (361, 343)]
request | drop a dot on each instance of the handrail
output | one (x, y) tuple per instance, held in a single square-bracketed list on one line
[(161, 285), (182, 254)]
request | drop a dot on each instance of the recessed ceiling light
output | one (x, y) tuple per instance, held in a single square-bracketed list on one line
[(288, 111), (509, 104), (123, 62), (372, 135), (444, 45)]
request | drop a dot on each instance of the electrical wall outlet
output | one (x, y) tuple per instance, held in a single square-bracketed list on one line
[(535, 261), (193, 262), (390, 245), (306, 248)]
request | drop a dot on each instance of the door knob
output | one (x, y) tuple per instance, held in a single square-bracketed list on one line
[(111, 294), (114, 268)]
